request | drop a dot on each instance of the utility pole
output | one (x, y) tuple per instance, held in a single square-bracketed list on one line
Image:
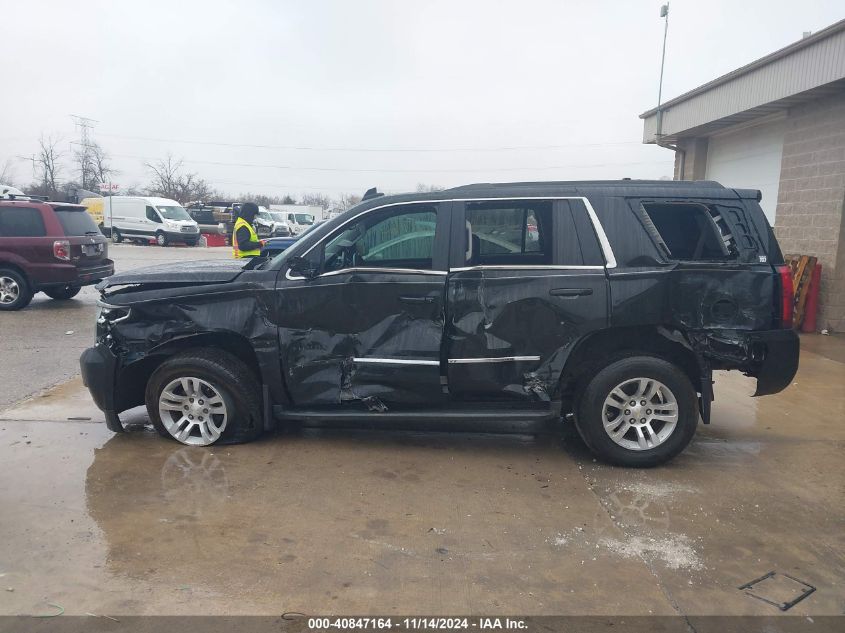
[(84, 125), (664, 13)]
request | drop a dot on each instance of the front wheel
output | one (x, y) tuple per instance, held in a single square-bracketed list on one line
[(62, 292), (639, 411), (205, 396), (161, 239), (116, 236)]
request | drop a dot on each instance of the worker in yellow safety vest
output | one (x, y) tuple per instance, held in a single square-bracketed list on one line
[(245, 242)]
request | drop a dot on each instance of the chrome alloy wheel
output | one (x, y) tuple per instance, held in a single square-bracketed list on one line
[(9, 290), (640, 414), (192, 411)]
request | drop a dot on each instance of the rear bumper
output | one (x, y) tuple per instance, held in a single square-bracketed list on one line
[(779, 351), (72, 275), (98, 367)]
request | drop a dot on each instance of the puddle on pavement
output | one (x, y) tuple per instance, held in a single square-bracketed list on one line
[(301, 521)]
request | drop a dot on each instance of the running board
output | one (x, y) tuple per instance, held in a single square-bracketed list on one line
[(440, 415)]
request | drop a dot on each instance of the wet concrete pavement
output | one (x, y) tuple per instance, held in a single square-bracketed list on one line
[(42, 343), (380, 521)]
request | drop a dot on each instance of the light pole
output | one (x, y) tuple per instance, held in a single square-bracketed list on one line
[(664, 13)]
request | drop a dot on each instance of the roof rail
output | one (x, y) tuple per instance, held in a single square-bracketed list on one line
[(17, 196)]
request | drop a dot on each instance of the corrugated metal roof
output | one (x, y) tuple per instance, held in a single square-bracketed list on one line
[(761, 87)]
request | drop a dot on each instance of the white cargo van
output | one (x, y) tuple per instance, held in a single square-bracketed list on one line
[(142, 218)]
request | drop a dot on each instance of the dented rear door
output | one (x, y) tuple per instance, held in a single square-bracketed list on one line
[(515, 307)]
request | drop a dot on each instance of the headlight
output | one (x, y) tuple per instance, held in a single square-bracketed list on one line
[(111, 314)]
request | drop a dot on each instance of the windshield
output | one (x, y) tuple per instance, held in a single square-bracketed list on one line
[(173, 213), (277, 216), (304, 218)]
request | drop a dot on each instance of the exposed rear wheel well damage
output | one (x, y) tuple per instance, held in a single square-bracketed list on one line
[(134, 377), (603, 347)]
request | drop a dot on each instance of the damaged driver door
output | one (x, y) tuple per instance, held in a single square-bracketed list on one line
[(365, 330)]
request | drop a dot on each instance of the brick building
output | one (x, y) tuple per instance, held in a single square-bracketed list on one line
[(777, 125)]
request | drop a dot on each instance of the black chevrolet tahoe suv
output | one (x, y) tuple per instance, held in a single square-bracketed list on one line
[(607, 304)]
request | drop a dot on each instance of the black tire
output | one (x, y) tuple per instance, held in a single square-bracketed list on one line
[(61, 293), (14, 282), (161, 239), (590, 413), (116, 236), (235, 382)]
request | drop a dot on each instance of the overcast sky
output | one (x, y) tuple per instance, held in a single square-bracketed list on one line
[(332, 86)]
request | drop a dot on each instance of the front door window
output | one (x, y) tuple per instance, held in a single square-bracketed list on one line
[(400, 238)]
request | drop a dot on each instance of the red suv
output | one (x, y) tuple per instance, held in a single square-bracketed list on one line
[(52, 247)]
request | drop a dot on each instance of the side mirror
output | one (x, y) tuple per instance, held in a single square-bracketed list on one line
[(303, 266)]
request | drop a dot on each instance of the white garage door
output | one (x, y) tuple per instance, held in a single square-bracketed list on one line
[(749, 158)]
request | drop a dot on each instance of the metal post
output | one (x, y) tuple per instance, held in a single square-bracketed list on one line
[(664, 13)]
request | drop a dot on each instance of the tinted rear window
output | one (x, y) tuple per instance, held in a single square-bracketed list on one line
[(21, 222), (76, 222)]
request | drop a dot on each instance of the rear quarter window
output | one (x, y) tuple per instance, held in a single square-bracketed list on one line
[(687, 231), (21, 222), (76, 222)]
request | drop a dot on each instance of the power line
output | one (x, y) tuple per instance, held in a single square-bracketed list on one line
[(399, 171), (504, 148)]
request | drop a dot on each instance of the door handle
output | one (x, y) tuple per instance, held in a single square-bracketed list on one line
[(570, 292), (416, 299)]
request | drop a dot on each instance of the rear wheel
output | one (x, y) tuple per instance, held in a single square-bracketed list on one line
[(116, 236), (161, 239), (62, 292), (205, 396), (638, 411), (15, 291)]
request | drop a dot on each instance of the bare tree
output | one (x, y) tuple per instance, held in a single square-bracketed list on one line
[(101, 165), (424, 188), (264, 200), (316, 200), (346, 201), (7, 172), (192, 187), (166, 174), (48, 164), (169, 181)]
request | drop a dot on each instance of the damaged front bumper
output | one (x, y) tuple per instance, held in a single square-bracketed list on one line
[(98, 365)]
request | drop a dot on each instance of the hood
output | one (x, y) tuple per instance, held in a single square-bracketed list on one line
[(182, 273)]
